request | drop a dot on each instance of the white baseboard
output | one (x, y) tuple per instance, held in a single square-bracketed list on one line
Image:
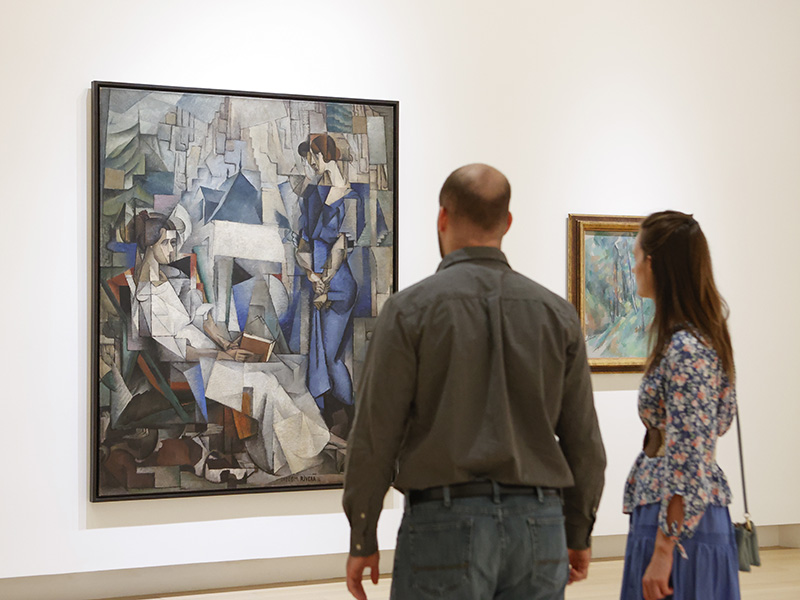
[(130, 583), (769, 536), (608, 546), (784, 536), (154, 581), (789, 536)]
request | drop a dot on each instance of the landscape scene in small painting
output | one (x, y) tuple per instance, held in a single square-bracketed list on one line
[(616, 319)]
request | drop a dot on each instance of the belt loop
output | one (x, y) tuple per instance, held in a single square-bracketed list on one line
[(540, 493), (446, 495), (495, 492), (407, 502)]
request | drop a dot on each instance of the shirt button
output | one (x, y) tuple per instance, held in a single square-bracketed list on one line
[(358, 546), (363, 516)]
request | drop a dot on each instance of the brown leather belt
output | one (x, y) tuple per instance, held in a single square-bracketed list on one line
[(473, 489)]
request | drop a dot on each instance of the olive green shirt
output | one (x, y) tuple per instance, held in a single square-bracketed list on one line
[(476, 372)]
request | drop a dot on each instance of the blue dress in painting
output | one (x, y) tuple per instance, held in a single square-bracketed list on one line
[(331, 325)]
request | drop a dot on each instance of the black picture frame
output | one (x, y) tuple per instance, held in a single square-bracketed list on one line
[(242, 246)]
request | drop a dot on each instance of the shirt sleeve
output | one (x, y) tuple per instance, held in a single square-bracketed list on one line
[(385, 393), (580, 440), (690, 434)]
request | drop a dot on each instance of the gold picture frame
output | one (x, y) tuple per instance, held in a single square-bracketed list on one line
[(601, 285)]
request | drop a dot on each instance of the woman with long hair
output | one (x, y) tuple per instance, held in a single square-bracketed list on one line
[(681, 542)]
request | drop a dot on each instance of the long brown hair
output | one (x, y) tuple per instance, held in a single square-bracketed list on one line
[(685, 293)]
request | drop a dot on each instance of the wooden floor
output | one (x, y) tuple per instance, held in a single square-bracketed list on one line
[(777, 579)]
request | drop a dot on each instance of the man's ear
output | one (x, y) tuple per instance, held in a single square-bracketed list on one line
[(508, 225), (443, 219)]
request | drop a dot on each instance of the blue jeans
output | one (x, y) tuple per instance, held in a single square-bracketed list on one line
[(509, 548)]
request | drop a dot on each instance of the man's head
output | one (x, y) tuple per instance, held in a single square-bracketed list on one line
[(473, 208)]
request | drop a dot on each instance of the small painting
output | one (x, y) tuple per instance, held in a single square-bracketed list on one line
[(244, 244), (602, 287)]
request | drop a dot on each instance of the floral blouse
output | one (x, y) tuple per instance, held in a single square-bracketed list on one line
[(690, 398)]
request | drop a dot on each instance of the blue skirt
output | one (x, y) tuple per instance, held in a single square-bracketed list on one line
[(710, 573)]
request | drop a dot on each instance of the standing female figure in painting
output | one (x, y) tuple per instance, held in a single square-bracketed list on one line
[(322, 254), (681, 539)]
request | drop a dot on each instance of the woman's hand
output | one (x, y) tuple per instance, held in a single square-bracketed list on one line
[(236, 353), (240, 355), (655, 583), (319, 283), (212, 331), (320, 301)]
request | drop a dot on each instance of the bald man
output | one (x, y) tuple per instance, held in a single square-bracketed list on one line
[(476, 403)]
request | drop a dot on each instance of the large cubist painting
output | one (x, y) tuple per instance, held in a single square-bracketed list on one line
[(602, 286), (244, 245)]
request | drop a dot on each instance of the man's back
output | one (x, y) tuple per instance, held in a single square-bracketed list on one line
[(493, 348), (477, 372)]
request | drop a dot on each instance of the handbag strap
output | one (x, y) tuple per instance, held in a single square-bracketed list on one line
[(741, 465)]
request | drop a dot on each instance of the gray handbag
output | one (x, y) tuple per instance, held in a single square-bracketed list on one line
[(746, 536)]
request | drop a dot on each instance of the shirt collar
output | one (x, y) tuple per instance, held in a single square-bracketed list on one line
[(471, 253)]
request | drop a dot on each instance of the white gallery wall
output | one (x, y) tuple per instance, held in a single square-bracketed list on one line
[(588, 106)]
